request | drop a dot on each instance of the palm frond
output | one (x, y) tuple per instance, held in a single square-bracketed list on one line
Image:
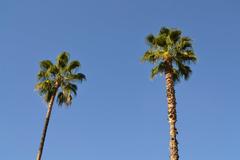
[(175, 35), (161, 55), (161, 41), (45, 64), (76, 77), (61, 98), (154, 56), (148, 56), (73, 65), (150, 39), (73, 88), (45, 89), (176, 75), (51, 72), (186, 57), (184, 43), (62, 60), (164, 30), (190, 56), (45, 85), (68, 101), (64, 99), (184, 71), (158, 69), (70, 88), (41, 75)]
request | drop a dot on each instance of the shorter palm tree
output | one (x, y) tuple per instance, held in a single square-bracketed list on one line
[(57, 80)]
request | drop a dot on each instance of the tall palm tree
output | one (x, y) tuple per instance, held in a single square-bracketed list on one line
[(57, 80), (171, 53)]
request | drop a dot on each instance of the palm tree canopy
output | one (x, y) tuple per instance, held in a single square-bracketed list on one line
[(64, 75), (170, 47)]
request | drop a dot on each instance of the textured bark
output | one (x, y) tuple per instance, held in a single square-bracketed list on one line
[(48, 115), (172, 115)]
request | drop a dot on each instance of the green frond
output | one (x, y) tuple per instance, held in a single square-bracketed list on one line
[(148, 56), (186, 57), (64, 99), (164, 30), (72, 88), (41, 75), (154, 56), (68, 100), (41, 90), (150, 39), (73, 65), (176, 76), (184, 71), (184, 43), (61, 98), (54, 70), (185, 38), (158, 69), (45, 64), (160, 55), (175, 35), (161, 41), (69, 88), (45, 89), (44, 86), (47, 74), (189, 56), (76, 77), (62, 60)]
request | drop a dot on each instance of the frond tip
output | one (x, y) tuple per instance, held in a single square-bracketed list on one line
[(73, 65), (65, 99), (158, 69), (45, 65), (76, 77), (150, 39), (62, 60)]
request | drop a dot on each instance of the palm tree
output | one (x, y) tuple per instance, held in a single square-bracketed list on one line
[(57, 80), (171, 53)]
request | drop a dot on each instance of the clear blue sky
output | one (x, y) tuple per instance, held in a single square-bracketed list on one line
[(119, 113)]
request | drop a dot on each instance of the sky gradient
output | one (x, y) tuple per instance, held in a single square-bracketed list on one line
[(119, 113)]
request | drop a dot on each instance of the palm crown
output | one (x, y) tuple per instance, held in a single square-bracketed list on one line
[(170, 50), (63, 75)]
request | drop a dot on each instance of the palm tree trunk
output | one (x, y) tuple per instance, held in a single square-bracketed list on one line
[(50, 105), (172, 115)]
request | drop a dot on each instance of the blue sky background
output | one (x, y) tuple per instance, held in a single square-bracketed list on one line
[(119, 113)]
